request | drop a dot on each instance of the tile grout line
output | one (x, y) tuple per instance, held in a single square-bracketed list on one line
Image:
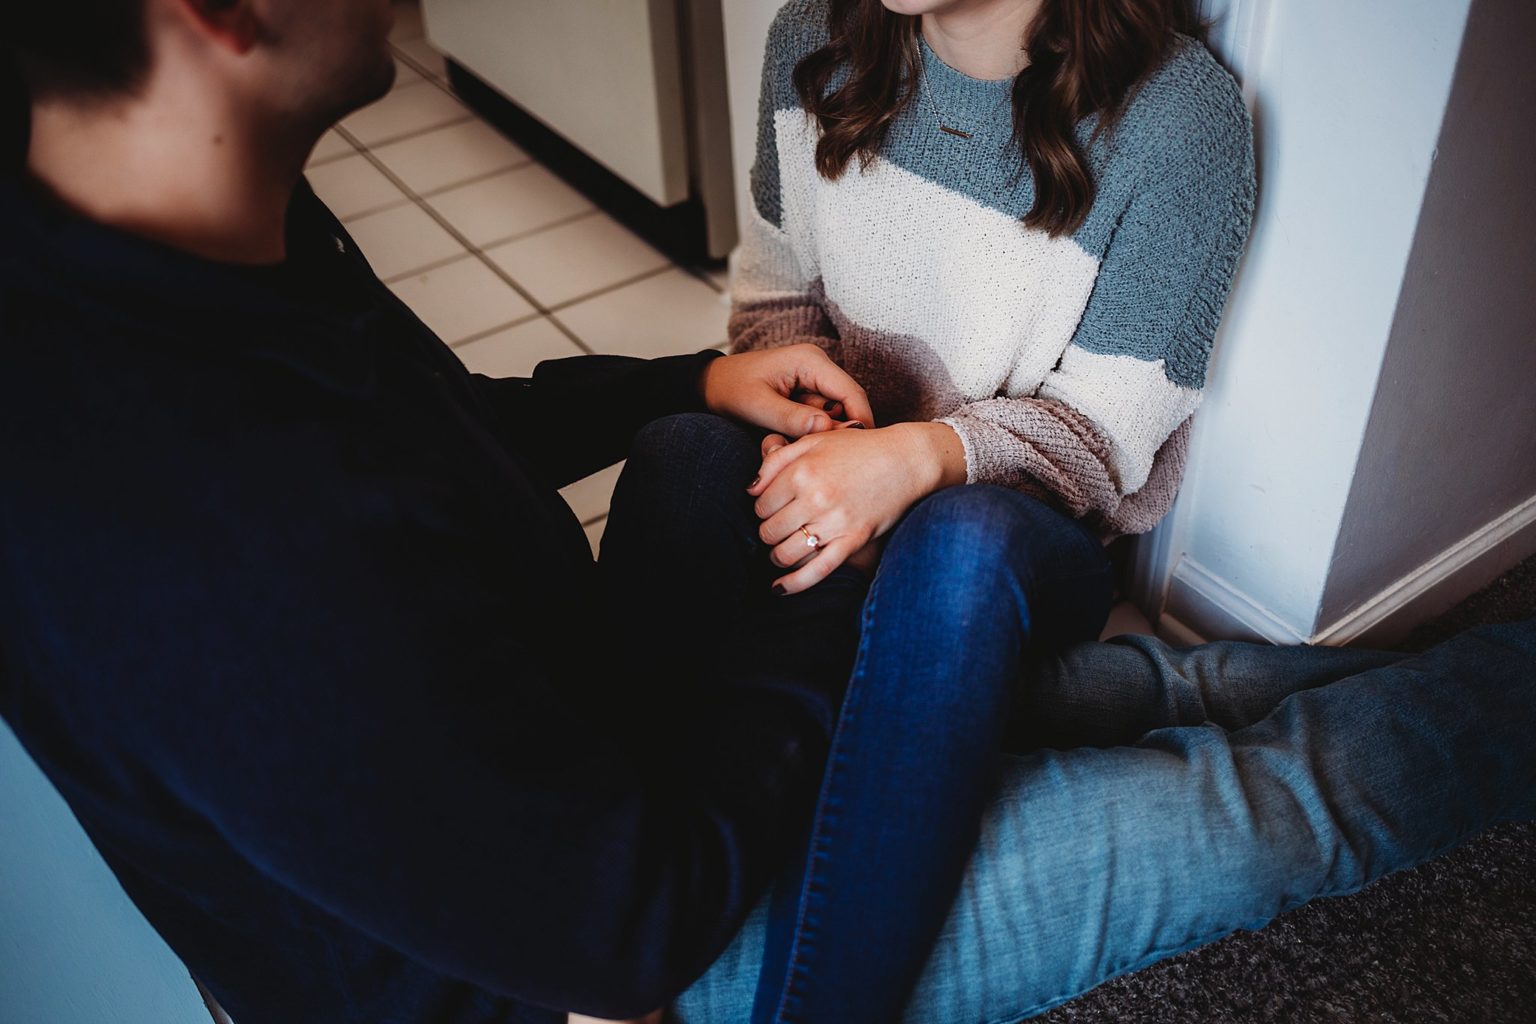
[(521, 321), (548, 312), (414, 133), (565, 304), (699, 275), (421, 69), (474, 250), (532, 232), (425, 268), (479, 253), (333, 158), (438, 190), (393, 204)]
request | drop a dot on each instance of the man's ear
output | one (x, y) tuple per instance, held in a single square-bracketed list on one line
[(230, 23)]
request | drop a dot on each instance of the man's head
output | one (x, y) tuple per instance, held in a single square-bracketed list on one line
[(283, 61)]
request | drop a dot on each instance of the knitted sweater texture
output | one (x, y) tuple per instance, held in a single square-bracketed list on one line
[(1071, 366)]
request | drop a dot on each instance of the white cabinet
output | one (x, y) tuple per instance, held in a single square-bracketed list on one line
[(605, 74)]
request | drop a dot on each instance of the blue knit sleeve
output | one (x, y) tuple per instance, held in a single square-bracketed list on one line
[(1105, 431)]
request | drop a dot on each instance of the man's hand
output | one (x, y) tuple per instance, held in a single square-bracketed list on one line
[(764, 389), (846, 487)]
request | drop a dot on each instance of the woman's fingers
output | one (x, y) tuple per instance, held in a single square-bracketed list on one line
[(793, 544), (819, 568), (797, 548), (784, 523), (772, 443), (775, 463)]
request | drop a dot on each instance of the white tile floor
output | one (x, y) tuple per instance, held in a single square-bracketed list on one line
[(506, 262)]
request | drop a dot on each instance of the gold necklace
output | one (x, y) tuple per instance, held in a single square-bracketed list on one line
[(938, 115)]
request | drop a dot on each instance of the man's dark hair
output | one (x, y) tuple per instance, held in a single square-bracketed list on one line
[(82, 49)]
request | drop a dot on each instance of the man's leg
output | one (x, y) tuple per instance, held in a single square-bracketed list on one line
[(1094, 862), (687, 582), (1111, 694), (680, 552)]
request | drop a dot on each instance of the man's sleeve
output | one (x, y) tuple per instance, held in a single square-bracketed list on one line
[(386, 717), (576, 416)]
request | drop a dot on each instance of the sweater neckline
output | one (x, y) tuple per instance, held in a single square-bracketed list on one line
[(970, 102)]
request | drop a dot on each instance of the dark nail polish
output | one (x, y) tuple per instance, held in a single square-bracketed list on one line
[(855, 425), (778, 588)]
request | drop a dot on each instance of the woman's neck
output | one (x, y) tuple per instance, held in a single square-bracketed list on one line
[(982, 38)]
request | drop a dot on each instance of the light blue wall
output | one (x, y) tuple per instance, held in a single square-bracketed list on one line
[(73, 949)]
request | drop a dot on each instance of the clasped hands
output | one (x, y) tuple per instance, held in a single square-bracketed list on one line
[(832, 482), (827, 470)]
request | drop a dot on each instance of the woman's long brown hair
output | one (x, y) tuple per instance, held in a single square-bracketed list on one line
[(1086, 57)]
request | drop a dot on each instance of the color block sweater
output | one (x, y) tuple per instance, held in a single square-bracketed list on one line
[(1071, 366)]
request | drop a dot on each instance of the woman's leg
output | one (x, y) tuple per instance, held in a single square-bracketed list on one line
[(971, 580), (1094, 862)]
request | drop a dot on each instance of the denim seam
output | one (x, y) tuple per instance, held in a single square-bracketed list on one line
[(1212, 936), (797, 957)]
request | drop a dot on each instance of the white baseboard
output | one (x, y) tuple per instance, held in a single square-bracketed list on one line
[(1439, 583), (1174, 633), (1200, 603)]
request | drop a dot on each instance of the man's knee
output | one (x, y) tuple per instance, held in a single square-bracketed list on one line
[(695, 437)]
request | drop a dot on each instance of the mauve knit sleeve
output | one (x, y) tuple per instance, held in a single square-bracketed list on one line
[(1105, 433)]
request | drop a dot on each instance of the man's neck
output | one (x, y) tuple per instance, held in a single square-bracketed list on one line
[(187, 174), (983, 38)]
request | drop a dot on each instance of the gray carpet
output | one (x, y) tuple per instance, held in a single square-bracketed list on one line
[(1453, 940)]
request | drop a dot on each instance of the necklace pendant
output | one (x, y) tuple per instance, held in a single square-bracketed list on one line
[(953, 131)]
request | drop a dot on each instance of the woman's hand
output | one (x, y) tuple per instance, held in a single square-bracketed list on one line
[(764, 388), (846, 487)]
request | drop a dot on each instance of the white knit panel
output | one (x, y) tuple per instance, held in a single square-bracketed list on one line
[(766, 264), (901, 255), (1131, 400)]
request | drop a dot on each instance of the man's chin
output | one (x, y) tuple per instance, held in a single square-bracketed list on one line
[(368, 89), (385, 79)]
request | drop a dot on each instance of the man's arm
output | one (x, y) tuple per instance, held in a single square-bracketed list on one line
[(575, 416), (380, 717)]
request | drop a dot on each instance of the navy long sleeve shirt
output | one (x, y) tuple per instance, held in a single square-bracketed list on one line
[(286, 609)]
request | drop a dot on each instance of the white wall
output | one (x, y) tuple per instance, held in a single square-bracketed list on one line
[(1348, 105), (1444, 496)]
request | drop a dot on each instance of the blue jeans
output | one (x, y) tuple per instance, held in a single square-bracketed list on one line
[(974, 581), (1186, 794), (1171, 796)]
